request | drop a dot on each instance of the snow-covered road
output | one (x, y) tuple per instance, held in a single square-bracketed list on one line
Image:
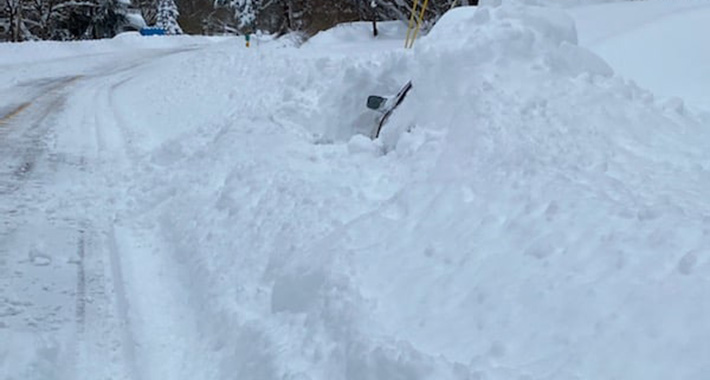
[(186, 208), (63, 301)]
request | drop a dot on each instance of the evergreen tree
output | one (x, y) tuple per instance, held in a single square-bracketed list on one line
[(15, 20), (149, 10), (246, 12), (22, 20), (73, 19), (167, 17), (107, 19)]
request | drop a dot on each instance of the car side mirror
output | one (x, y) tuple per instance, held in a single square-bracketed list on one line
[(375, 102)]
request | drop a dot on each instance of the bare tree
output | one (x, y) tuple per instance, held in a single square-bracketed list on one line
[(73, 19), (149, 10), (13, 10)]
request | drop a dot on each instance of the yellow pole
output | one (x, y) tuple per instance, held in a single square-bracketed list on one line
[(419, 23), (411, 22)]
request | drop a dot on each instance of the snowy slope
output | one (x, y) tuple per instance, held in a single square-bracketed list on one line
[(556, 228), (526, 214), (658, 44)]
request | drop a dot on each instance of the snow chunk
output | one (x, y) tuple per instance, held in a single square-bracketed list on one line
[(550, 25), (363, 144), (575, 60), (38, 257)]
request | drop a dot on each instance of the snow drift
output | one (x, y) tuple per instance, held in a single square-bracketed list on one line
[(526, 214), (546, 228), (551, 231)]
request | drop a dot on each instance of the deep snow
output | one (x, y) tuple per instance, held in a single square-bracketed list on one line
[(631, 38), (526, 214)]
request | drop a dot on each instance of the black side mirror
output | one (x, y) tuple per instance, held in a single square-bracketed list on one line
[(375, 102)]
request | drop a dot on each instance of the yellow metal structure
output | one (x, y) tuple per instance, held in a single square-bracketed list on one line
[(413, 28), (419, 23), (411, 23)]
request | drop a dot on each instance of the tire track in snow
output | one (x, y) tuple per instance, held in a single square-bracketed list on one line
[(30, 147), (122, 304), (157, 346), (103, 332), (42, 88), (39, 237), (110, 160), (114, 150), (16, 111), (81, 283)]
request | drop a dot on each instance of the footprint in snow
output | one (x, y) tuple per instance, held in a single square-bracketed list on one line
[(38, 258), (687, 263)]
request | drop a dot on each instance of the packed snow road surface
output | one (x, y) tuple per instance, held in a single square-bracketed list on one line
[(62, 299), (186, 208)]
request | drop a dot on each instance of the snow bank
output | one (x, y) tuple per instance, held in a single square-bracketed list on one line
[(354, 32), (545, 225), (533, 216), (550, 231)]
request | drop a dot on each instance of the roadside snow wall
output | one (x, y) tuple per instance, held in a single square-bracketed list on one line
[(525, 215), (556, 227)]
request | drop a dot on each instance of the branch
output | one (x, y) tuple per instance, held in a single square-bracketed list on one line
[(76, 4)]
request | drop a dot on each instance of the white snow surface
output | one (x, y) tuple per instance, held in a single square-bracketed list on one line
[(187, 208), (631, 38)]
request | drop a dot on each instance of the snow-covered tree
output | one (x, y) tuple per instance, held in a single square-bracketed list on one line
[(22, 20), (73, 19), (107, 19), (14, 19), (167, 17), (246, 12), (401, 9), (148, 9)]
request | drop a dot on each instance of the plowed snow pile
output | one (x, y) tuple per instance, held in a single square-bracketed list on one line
[(525, 215), (562, 228)]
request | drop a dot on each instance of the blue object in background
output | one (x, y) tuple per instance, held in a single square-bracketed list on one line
[(152, 32)]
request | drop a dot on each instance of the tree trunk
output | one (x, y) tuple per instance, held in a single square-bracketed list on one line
[(286, 26), (16, 22), (17, 25), (374, 19)]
